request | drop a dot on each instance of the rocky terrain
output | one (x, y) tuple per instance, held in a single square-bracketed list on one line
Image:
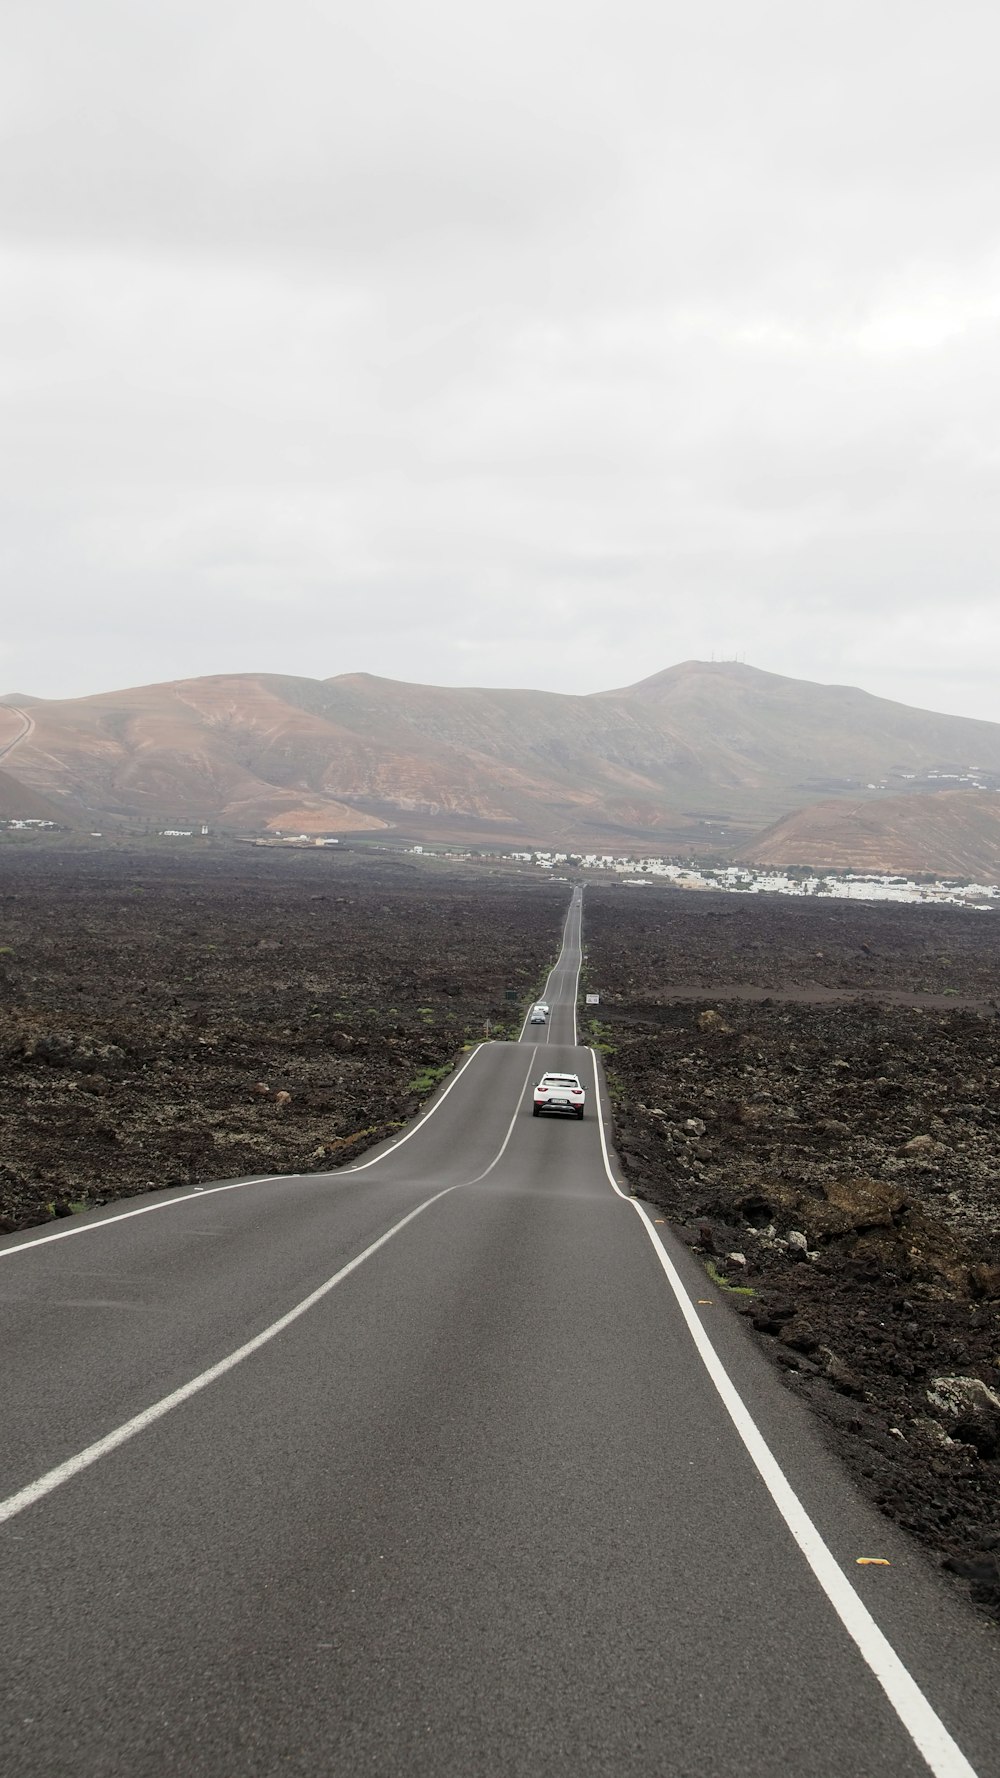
[(837, 1166), (167, 1018)]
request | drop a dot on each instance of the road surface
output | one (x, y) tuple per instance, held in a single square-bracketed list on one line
[(27, 728), (446, 1464)]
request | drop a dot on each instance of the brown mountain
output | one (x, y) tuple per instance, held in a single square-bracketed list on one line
[(698, 756), (18, 802), (952, 833)]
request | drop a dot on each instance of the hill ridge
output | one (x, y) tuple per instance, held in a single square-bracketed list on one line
[(699, 757)]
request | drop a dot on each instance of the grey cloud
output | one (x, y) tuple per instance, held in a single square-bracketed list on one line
[(338, 343)]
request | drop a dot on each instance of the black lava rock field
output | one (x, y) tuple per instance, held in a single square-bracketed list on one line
[(811, 1091), (169, 1017)]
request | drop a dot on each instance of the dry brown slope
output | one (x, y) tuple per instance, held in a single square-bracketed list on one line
[(643, 766), (18, 802), (538, 762), (758, 728), (952, 833), (238, 748), (711, 737), (701, 729), (223, 748)]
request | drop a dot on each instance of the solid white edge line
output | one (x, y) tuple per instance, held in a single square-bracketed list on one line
[(921, 1722), (552, 971), (105, 1222), (63, 1472), (209, 1191), (102, 1447), (548, 978), (421, 1121)]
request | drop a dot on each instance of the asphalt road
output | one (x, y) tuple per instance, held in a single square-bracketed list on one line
[(471, 1503), (28, 725)]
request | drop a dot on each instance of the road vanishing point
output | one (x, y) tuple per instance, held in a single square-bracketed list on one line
[(449, 1463)]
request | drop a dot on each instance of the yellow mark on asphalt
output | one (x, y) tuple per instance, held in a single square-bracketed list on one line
[(873, 1562), (708, 1300)]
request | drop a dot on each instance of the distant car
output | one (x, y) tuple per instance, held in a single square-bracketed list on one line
[(559, 1092), (538, 1015), (542, 1005)]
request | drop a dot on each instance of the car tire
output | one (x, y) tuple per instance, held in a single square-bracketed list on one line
[(580, 1112), (534, 1110)]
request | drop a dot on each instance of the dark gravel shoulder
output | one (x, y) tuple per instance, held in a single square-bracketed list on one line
[(836, 1164)]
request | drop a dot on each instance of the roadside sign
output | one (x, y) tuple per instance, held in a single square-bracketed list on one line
[(511, 994), (593, 1000)]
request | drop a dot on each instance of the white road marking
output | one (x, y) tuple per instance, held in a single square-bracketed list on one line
[(418, 1126), (928, 1733), (208, 1191), (510, 1131), (936, 1746), (547, 991), (579, 966), (54, 1478), (102, 1447), (203, 1191), (107, 1222)]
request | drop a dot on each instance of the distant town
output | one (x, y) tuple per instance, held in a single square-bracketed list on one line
[(640, 873), (636, 872)]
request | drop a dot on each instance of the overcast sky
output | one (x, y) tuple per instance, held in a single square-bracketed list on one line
[(538, 344)]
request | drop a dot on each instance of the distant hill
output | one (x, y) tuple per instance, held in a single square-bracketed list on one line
[(951, 833), (696, 758)]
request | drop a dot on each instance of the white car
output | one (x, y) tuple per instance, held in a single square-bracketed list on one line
[(538, 1015), (559, 1092)]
